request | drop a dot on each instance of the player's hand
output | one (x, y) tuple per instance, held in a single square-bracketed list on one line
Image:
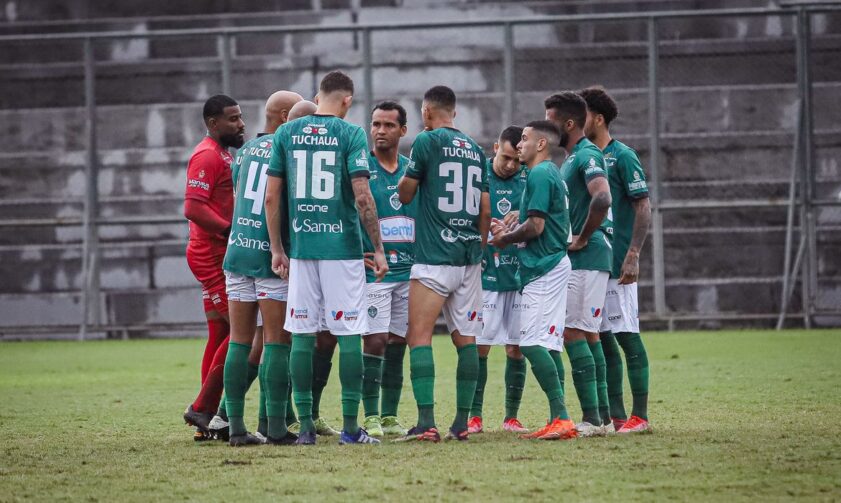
[(630, 268), (280, 264), (380, 265), (577, 244), (368, 257), (498, 229), (511, 220)]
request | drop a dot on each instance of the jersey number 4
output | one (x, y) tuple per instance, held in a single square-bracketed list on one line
[(258, 195), (460, 199), (323, 184)]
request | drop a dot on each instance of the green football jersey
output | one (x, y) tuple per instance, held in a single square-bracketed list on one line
[(500, 271), (318, 155), (584, 163), (545, 195), (248, 250), (397, 222), (450, 168), (627, 183)]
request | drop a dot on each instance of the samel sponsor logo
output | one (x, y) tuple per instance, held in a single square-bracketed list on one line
[(596, 311), (346, 315), (307, 225), (298, 314), (471, 315)]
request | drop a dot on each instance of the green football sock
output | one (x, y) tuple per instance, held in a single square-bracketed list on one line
[(481, 381), (515, 381), (467, 372), (601, 380), (262, 420), (371, 381), (321, 365), (584, 379), (350, 375), (614, 370), (301, 367), (236, 383), (222, 411), (559, 364), (276, 372), (546, 373), (422, 373), (637, 360), (392, 384), (290, 410)]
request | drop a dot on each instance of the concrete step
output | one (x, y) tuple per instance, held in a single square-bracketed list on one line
[(469, 68)]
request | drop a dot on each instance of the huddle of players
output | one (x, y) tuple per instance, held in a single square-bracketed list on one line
[(434, 263)]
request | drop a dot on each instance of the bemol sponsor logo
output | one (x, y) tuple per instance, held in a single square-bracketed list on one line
[(397, 230)]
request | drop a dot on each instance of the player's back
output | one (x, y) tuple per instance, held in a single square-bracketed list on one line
[(450, 168), (318, 155), (627, 183), (248, 251)]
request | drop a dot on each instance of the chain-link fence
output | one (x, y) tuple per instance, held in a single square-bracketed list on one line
[(736, 136)]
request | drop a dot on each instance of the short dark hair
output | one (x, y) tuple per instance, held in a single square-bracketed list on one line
[(441, 96), (568, 105), (511, 134), (216, 105), (336, 81), (599, 102), (548, 129), (392, 105)]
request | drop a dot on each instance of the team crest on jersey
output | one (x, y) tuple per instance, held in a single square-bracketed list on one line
[(461, 143), (592, 162), (636, 176), (504, 206), (394, 201), (264, 144), (201, 174)]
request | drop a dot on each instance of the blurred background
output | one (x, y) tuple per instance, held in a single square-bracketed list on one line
[(732, 106)]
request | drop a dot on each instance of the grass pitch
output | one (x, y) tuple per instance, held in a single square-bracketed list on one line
[(737, 416)]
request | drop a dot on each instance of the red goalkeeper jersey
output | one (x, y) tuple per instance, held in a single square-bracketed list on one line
[(209, 181)]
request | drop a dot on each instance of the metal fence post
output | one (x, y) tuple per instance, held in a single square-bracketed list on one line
[(224, 46), (508, 72), (654, 162), (367, 77), (807, 219), (90, 249)]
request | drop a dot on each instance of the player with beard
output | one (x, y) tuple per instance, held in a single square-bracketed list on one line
[(591, 254), (208, 205), (501, 300), (543, 233), (632, 215)]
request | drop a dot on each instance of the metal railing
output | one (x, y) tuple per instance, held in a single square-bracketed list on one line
[(801, 204)]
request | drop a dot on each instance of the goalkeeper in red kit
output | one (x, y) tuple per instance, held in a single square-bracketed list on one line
[(208, 205)]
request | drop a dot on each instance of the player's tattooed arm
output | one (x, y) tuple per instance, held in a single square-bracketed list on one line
[(599, 206), (642, 219), (526, 231), (274, 217), (370, 221)]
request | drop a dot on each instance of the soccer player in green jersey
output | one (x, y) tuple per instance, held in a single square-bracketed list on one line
[(501, 302), (590, 253), (321, 161), (631, 217), (250, 282), (384, 345), (446, 173), (542, 235)]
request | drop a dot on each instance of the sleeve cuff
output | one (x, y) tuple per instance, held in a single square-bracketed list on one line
[(413, 176), (537, 213), (362, 173)]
